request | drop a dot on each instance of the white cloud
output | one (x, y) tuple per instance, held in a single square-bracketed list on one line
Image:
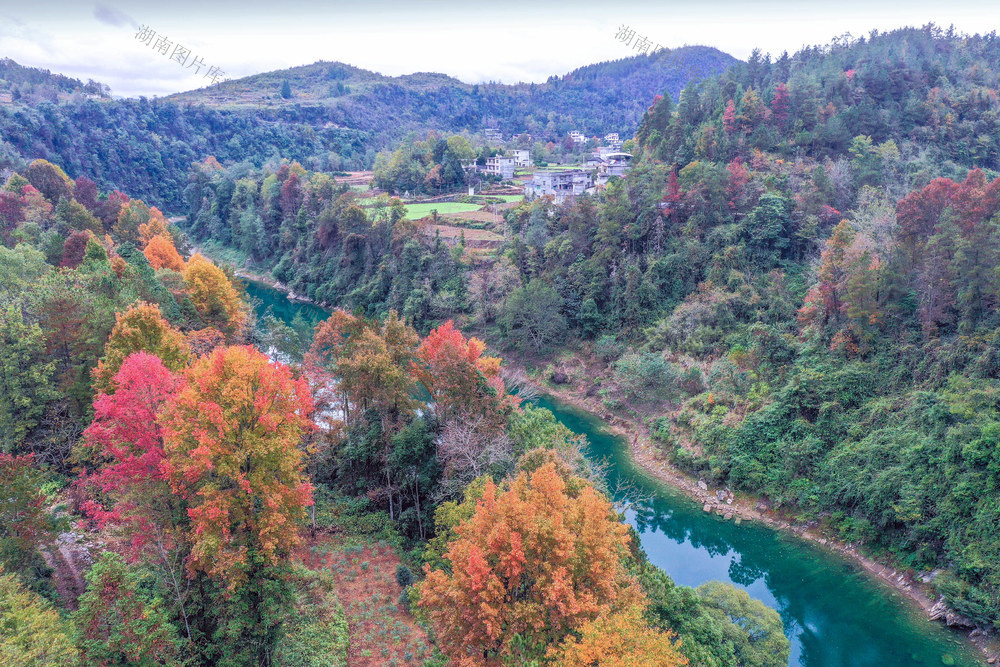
[(522, 41), (114, 17)]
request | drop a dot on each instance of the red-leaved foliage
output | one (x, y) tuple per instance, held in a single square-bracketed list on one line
[(231, 439), (127, 438), (455, 373)]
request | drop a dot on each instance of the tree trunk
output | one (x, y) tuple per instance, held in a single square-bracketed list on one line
[(416, 486)]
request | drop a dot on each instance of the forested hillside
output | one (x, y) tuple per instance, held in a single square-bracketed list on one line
[(793, 291), (30, 84), (146, 146), (175, 496), (596, 99), (794, 288)]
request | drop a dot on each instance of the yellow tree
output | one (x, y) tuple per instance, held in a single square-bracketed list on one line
[(214, 296), (33, 632), (141, 328), (155, 226), (623, 639), (370, 361)]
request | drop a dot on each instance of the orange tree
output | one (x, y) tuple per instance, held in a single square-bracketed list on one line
[(533, 563), (231, 445), (162, 254), (456, 375)]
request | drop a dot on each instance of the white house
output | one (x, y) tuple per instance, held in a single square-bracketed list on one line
[(578, 137), (500, 166), (522, 157), (612, 164)]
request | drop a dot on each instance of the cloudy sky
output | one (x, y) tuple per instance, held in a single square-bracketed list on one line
[(509, 41)]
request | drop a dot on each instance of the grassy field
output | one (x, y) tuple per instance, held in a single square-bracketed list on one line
[(416, 211)]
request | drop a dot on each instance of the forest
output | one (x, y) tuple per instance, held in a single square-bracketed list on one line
[(147, 434), (793, 291), (145, 146)]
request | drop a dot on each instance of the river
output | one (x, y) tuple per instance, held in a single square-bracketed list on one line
[(835, 614)]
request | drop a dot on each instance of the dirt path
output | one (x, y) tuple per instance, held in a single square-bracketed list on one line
[(69, 559)]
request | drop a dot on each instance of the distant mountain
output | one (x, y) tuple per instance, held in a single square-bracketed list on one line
[(34, 84), (605, 97), (335, 117)]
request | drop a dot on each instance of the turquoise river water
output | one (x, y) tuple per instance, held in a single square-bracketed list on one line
[(835, 614)]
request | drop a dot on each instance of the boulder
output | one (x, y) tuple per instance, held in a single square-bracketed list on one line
[(942, 612), (559, 377)]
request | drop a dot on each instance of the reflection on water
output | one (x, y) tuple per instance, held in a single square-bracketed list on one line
[(834, 613), (267, 299)]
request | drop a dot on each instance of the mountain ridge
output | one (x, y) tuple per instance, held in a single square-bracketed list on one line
[(144, 145)]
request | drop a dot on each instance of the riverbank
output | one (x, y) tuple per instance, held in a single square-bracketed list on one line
[(742, 507), (647, 455)]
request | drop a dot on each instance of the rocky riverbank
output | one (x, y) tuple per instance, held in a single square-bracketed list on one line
[(741, 507)]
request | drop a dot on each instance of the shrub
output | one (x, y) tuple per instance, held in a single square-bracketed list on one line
[(404, 599), (607, 348), (317, 633), (646, 376), (404, 577)]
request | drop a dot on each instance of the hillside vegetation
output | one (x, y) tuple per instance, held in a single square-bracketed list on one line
[(336, 118), (184, 498), (795, 288)]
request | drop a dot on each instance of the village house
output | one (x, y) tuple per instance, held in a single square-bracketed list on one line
[(598, 170), (559, 184), (493, 135), (501, 166), (578, 137), (615, 164), (522, 157)]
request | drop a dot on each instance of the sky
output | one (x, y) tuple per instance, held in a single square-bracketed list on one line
[(509, 41)]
